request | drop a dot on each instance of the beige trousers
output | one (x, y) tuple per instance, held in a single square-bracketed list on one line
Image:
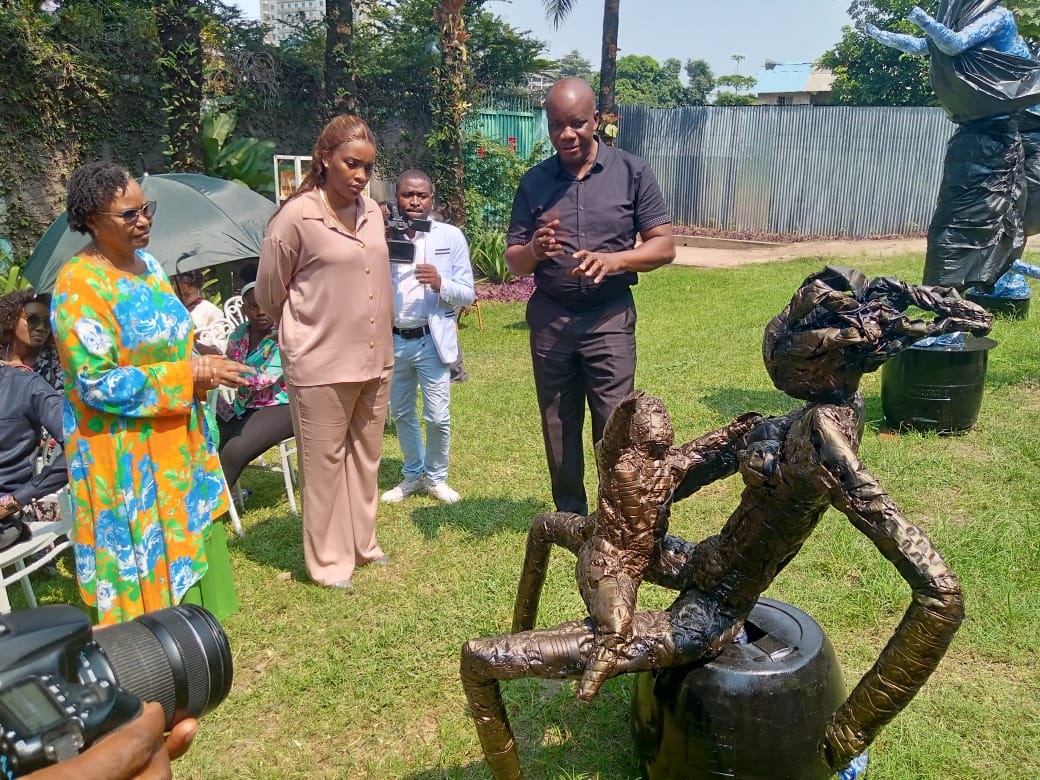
[(339, 435)]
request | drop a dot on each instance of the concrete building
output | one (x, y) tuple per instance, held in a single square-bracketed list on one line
[(795, 84), (282, 14)]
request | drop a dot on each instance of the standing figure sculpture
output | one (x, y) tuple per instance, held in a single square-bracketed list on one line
[(837, 327), (987, 80)]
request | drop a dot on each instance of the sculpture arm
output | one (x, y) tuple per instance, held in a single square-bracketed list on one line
[(908, 44), (711, 457), (993, 24), (929, 623), (563, 528)]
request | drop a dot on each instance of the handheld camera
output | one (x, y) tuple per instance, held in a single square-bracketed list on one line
[(64, 686), (397, 226)]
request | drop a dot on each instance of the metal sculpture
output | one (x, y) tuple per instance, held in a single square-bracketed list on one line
[(988, 81), (837, 327)]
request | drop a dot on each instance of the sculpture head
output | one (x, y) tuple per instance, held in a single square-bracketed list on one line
[(840, 326), (640, 421)]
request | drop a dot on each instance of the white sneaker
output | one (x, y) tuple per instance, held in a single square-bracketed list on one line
[(443, 493), (403, 489)]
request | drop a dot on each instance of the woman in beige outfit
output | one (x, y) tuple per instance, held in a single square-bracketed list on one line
[(324, 276)]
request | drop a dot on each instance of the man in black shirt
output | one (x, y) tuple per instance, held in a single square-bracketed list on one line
[(27, 406), (574, 225)]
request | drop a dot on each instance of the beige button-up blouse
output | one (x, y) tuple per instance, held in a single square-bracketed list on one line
[(329, 291)]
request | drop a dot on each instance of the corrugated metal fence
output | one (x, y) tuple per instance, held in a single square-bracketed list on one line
[(520, 129), (791, 169)]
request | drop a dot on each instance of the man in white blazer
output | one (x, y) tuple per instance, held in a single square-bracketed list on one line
[(426, 294)]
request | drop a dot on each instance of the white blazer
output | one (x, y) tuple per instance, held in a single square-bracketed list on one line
[(446, 248)]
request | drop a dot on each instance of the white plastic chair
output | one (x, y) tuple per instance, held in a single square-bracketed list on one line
[(233, 310), (216, 335), (44, 535), (236, 522), (286, 449)]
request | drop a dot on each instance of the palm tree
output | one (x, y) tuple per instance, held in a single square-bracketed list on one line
[(340, 68), (557, 11), (450, 88)]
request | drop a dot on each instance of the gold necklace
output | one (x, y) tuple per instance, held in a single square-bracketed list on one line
[(335, 216), (102, 256)]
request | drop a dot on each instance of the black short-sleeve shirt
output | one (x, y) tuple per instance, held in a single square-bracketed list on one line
[(603, 212)]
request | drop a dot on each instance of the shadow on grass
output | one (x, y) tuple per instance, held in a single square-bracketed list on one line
[(559, 736), (275, 541), (389, 470), (478, 516), (732, 403)]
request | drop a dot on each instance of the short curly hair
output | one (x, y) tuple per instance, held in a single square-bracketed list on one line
[(92, 187), (11, 306)]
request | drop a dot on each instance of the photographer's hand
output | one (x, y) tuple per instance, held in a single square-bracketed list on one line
[(427, 274), (137, 751)]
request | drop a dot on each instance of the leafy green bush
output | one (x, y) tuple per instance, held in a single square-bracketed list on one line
[(12, 280), (487, 252), (10, 274), (492, 173), (245, 160)]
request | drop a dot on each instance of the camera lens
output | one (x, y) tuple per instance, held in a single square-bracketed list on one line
[(179, 657)]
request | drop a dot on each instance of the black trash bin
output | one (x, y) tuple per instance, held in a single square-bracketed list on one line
[(936, 388), (755, 712)]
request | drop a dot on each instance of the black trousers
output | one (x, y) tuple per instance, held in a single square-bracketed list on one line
[(578, 358), (245, 438)]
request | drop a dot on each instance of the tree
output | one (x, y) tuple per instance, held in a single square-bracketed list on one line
[(641, 81), (575, 65), (700, 81), (449, 109), (500, 57), (1027, 13), (867, 73), (738, 92), (179, 26), (340, 70), (557, 11)]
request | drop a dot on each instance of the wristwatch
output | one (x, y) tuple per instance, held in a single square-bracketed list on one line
[(9, 503)]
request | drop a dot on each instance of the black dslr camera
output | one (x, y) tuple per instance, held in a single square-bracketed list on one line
[(397, 226), (63, 687)]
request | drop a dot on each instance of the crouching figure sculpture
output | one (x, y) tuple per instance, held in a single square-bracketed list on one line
[(837, 327)]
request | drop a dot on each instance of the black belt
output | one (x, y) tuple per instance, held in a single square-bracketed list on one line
[(412, 333)]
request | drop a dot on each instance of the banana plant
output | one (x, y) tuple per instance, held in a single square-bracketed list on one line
[(247, 161)]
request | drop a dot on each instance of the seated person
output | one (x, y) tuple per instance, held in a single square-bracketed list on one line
[(28, 405), (204, 314), (258, 418), (26, 325)]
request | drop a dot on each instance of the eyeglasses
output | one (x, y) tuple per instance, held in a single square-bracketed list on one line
[(130, 216), (37, 322)]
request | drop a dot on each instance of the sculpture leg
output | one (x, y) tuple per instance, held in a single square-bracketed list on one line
[(551, 653), (608, 579), (556, 653), (563, 528)]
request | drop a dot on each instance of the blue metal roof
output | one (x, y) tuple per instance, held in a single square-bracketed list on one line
[(783, 78)]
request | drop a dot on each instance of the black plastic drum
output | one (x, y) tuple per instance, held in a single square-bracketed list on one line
[(755, 712), (1012, 308), (936, 388)]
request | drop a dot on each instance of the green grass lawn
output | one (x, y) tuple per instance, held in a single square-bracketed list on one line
[(331, 684)]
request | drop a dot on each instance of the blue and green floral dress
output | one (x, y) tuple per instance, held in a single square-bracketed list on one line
[(144, 475)]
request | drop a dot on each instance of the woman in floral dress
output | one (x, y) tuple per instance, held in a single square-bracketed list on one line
[(146, 482)]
